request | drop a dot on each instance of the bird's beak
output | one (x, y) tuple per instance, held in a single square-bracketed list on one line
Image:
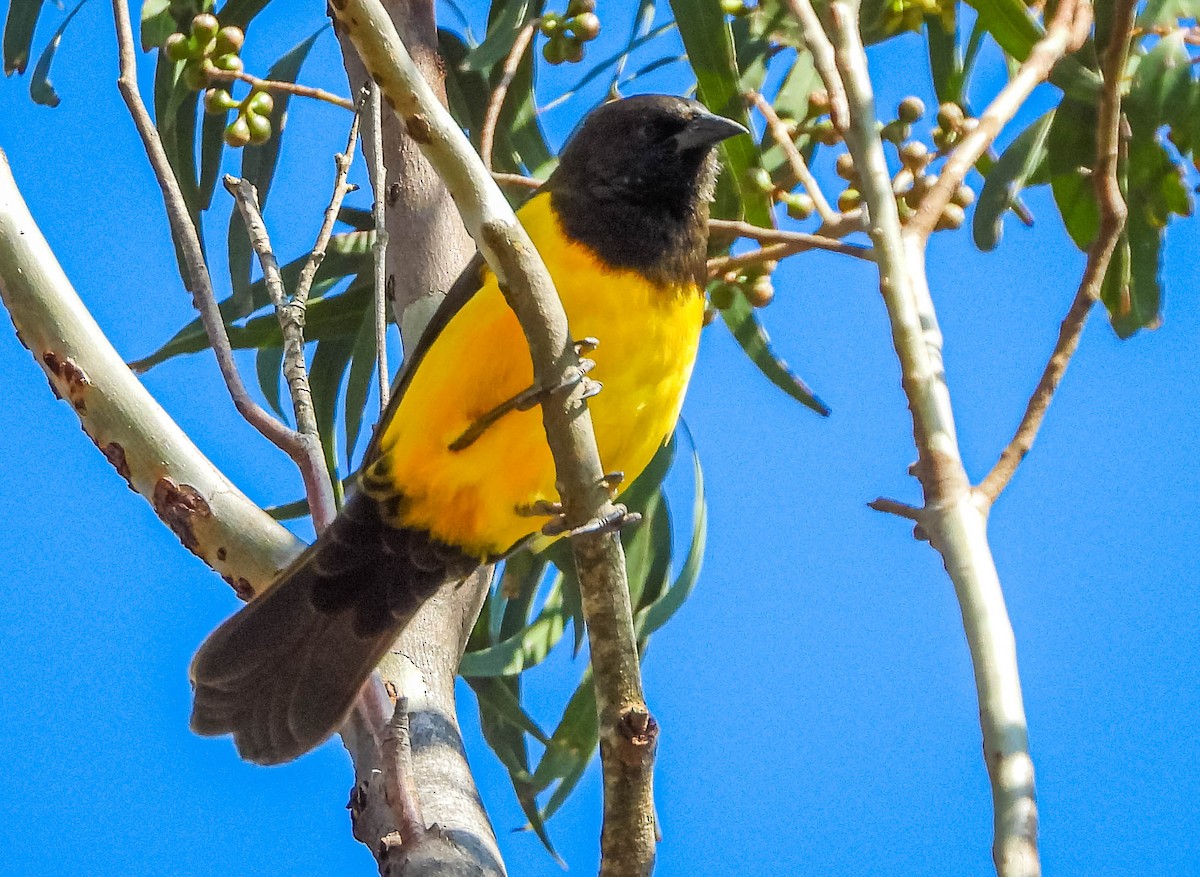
[(707, 129)]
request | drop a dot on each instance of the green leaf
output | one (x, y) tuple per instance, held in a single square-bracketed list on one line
[(362, 368), (574, 739), (648, 552), (1167, 13), (1070, 154), (357, 218), (240, 13), (660, 611), (347, 254), (709, 44), (19, 26), (268, 366), (505, 21), (1007, 178), (212, 147), (158, 23), (325, 374), (524, 649), (1161, 91), (945, 59), (749, 333), (505, 705), (40, 88)]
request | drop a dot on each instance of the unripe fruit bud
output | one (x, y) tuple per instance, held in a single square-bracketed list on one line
[(261, 103), (849, 199), (205, 27), (237, 134), (733, 7), (964, 196), (952, 217), (825, 134), (176, 47), (914, 155), (260, 128), (761, 292), (761, 178), (572, 51), (818, 103), (910, 110), (230, 40), (217, 101), (229, 63), (950, 116), (844, 166), (896, 132), (578, 7), (552, 51), (551, 24), (585, 26), (799, 206), (195, 76)]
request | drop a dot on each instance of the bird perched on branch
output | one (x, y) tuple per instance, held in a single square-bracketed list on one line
[(459, 470)]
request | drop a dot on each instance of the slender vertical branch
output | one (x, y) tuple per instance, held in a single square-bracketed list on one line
[(799, 166), (627, 732), (822, 53), (373, 140), (307, 458), (487, 134), (1113, 212)]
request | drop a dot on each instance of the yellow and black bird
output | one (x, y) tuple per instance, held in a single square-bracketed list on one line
[(622, 227)]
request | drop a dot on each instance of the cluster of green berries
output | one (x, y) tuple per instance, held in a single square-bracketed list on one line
[(753, 282), (208, 49), (915, 181), (901, 15), (817, 127), (567, 32)]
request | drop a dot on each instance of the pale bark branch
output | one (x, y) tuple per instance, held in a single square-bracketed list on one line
[(373, 148), (211, 517), (307, 457), (1113, 212), (627, 731), (821, 49), (953, 521), (780, 244), (1065, 33)]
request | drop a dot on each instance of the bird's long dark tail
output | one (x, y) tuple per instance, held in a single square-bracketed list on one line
[(282, 674)]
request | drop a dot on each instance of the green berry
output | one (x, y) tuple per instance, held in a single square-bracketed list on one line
[(818, 104), (260, 103), (217, 101), (552, 51), (580, 7), (914, 155), (895, 132), (824, 133), (237, 133), (761, 292), (849, 200), (230, 40), (551, 24), (799, 205), (176, 47), (205, 27), (964, 196), (844, 166), (585, 26), (733, 7), (761, 178), (260, 128), (195, 75), (572, 51), (952, 217), (950, 116), (229, 63), (910, 110)]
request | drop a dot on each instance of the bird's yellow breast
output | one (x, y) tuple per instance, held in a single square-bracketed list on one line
[(472, 498)]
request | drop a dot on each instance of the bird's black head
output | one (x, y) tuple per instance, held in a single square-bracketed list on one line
[(634, 181)]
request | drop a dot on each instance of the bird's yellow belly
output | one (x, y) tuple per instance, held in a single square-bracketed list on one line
[(473, 498)]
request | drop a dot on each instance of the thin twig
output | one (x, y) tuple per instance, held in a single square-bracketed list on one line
[(517, 180), (487, 134), (799, 166), (308, 458), (400, 788), (373, 140), (1065, 33), (821, 50), (779, 245), (895, 507), (295, 370), (229, 76), (1113, 212)]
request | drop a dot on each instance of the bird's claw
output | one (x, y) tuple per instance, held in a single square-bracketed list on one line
[(615, 519)]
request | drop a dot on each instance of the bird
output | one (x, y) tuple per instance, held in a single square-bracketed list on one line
[(457, 474)]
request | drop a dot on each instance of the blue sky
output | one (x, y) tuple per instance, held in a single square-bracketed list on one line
[(816, 697)]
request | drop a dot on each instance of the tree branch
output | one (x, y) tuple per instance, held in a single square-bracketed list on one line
[(627, 731), (954, 523), (781, 244), (823, 59), (211, 517), (487, 134), (306, 457), (799, 166), (1066, 33), (228, 76), (373, 147), (1113, 212)]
